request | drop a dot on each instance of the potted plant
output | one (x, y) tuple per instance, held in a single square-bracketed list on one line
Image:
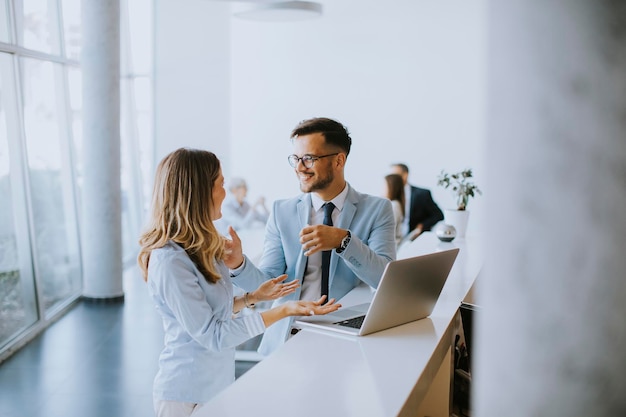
[(463, 188)]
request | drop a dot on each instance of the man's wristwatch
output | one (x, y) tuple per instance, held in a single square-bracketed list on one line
[(344, 243)]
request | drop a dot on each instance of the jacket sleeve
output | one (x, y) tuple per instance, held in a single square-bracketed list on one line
[(273, 261), (368, 260), (433, 212)]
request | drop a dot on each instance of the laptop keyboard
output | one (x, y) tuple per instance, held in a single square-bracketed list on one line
[(354, 322)]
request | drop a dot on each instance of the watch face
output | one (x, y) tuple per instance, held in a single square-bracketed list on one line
[(344, 243)]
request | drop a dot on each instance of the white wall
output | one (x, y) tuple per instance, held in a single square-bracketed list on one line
[(192, 81), (407, 78)]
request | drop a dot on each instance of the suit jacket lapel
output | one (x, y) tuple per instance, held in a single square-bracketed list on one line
[(304, 216), (412, 212), (349, 210)]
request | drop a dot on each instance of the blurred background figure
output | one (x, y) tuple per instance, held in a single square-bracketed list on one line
[(422, 213), (238, 212), (395, 192)]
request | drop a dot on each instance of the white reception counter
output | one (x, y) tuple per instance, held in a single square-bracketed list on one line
[(404, 371)]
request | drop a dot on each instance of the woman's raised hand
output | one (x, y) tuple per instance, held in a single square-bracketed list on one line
[(233, 256), (275, 288), (313, 308), (299, 308)]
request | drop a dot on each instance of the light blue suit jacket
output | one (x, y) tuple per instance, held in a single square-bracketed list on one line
[(372, 225)]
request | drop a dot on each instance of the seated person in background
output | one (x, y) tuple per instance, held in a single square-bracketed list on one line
[(395, 193), (301, 242), (240, 214), (422, 213)]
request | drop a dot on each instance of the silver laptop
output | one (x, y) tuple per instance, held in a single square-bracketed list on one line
[(408, 291)]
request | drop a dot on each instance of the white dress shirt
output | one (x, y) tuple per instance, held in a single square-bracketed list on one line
[(312, 285)]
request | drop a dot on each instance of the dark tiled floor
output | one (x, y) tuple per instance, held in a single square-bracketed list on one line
[(97, 360)]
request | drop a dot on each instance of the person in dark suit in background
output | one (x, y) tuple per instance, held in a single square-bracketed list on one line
[(422, 211), (394, 191)]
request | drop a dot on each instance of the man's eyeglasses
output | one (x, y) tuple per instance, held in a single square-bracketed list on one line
[(307, 160)]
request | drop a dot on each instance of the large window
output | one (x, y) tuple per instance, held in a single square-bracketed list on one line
[(4, 21), (56, 247), (37, 25), (136, 133), (41, 166), (18, 308)]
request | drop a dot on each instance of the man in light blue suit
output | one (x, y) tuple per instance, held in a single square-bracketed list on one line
[(360, 242)]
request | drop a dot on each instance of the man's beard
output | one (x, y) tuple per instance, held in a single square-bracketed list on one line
[(320, 183)]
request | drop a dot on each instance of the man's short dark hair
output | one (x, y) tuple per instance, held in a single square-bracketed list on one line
[(403, 167), (334, 132)]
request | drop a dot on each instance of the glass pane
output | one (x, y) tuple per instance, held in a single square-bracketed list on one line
[(129, 174), (74, 76), (140, 42), (130, 232), (143, 101), (39, 25), (17, 290), (54, 213), (4, 21), (136, 115), (72, 28), (137, 153)]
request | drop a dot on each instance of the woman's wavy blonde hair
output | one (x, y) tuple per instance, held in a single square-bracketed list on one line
[(181, 210)]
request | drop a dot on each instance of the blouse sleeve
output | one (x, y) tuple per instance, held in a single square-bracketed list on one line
[(200, 314)]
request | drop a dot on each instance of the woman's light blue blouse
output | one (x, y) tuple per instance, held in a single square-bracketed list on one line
[(201, 333)]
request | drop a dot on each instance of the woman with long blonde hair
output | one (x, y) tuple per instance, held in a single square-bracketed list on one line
[(186, 262)]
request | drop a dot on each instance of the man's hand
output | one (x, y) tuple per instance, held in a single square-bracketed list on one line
[(320, 238), (415, 233)]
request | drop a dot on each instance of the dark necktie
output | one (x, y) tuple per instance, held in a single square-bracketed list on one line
[(328, 220)]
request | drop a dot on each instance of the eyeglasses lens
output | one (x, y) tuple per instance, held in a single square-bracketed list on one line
[(307, 161)]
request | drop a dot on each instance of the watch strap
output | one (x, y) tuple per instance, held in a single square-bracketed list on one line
[(344, 243)]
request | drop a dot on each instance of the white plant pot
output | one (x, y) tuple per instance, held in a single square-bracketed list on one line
[(458, 219)]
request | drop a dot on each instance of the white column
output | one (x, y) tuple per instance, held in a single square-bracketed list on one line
[(101, 217), (552, 338)]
